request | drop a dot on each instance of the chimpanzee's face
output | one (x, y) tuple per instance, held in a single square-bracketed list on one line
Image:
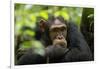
[(58, 33)]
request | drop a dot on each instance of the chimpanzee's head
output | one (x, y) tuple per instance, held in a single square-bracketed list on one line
[(57, 30)]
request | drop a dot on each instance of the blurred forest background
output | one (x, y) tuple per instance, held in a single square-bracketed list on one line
[(27, 16)]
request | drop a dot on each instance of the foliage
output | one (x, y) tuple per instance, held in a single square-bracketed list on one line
[(87, 27), (88, 17), (28, 15)]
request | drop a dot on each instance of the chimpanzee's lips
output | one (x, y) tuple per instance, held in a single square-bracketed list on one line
[(60, 42)]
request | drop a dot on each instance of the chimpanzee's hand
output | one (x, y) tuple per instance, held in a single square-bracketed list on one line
[(54, 52)]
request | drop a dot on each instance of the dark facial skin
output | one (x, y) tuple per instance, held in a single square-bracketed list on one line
[(58, 33)]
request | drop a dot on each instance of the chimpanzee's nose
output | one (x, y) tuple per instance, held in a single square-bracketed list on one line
[(59, 37)]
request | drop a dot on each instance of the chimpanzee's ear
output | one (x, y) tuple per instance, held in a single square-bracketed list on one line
[(42, 24)]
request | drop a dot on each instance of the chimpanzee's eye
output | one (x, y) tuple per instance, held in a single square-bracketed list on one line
[(54, 30), (63, 29)]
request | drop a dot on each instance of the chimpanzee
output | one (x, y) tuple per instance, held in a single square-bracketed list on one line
[(63, 42)]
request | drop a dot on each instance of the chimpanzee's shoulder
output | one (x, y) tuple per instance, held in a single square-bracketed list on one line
[(72, 25)]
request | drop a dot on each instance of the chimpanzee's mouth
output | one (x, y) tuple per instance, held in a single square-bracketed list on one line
[(60, 42)]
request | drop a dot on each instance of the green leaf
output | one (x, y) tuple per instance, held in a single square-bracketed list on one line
[(57, 13), (29, 32), (65, 15), (44, 14), (33, 18)]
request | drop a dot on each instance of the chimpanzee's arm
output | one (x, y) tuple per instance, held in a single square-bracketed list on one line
[(78, 49), (31, 58)]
